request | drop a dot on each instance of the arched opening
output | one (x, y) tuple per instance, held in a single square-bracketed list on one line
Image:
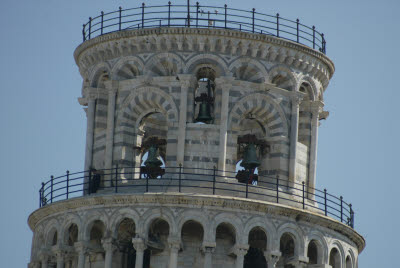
[(52, 237), (287, 248), (283, 81), (349, 263), (71, 235), (257, 246), (54, 240), (97, 231), (100, 78), (204, 96), (225, 240), (306, 89), (157, 243), (126, 252), (334, 258), (127, 71), (312, 252), (192, 238), (97, 234)]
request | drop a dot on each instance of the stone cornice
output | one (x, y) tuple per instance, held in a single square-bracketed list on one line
[(144, 40), (196, 200)]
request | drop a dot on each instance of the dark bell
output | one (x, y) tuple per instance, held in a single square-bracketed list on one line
[(152, 158), (250, 160), (204, 113)]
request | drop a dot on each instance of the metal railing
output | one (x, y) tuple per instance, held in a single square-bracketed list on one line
[(195, 180), (199, 16)]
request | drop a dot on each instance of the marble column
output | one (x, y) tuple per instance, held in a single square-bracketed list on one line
[(112, 87), (60, 255), (89, 135), (208, 249), (173, 255), (272, 258), (186, 81), (225, 83), (294, 133), (140, 247), (81, 249), (240, 251), (44, 259), (316, 109), (109, 248)]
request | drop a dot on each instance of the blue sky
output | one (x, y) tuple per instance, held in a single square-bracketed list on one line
[(43, 129)]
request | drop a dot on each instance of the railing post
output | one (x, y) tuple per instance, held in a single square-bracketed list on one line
[(188, 13), (323, 44), (351, 216), (90, 181), (51, 189), (67, 183), (225, 14), (169, 12), (180, 174), (102, 20), (83, 33), (297, 26), (304, 196), (253, 18), (326, 204), (277, 188), (120, 18), (313, 37), (197, 14), (142, 15), (247, 188), (90, 26), (341, 208), (277, 24), (116, 178), (208, 19), (214, 180), (41, 195), (147, 183)]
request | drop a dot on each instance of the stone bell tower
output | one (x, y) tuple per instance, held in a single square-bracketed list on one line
[(201, 147)]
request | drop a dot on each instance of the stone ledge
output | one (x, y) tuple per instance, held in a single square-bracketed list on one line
[(198, 200)]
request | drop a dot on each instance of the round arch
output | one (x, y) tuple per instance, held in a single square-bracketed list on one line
[(206, 60), (130, 60), (97, 71), (296, 233), (119, 215), (235, 222), (267, 227), (153, 214), (90, 220), (290, 80), (248, 69), (193, 216), (164, 64)]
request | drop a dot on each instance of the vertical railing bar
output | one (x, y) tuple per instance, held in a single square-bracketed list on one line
[(197, 14), (313, 42), (351, 216), (326, 205), (51, 188), (253, 18), (323, 44), (277, 24), (214, 180), (341, 208), (277, 189), (169, 12), (247, 188), (147, 182), (89, 181), (67, 184), (120, 18), (304, 196), (83, 33), (225, 14), (116, 178), (180, 175), (102, 20), (297, 26), (90, 26), (142, 15)]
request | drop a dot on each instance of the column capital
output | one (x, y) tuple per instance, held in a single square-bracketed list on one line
[(225, 82), (186, 79), (175, 244), (298, 261), (108, 244), (316, 107), (239, 249), (208, 247), (81, 246), (111, 86), (272, 257), (139, 244), (296, 99)]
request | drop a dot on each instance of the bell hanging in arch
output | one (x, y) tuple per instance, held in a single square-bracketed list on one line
[(250, 160), (152, 158), (204, 109)]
